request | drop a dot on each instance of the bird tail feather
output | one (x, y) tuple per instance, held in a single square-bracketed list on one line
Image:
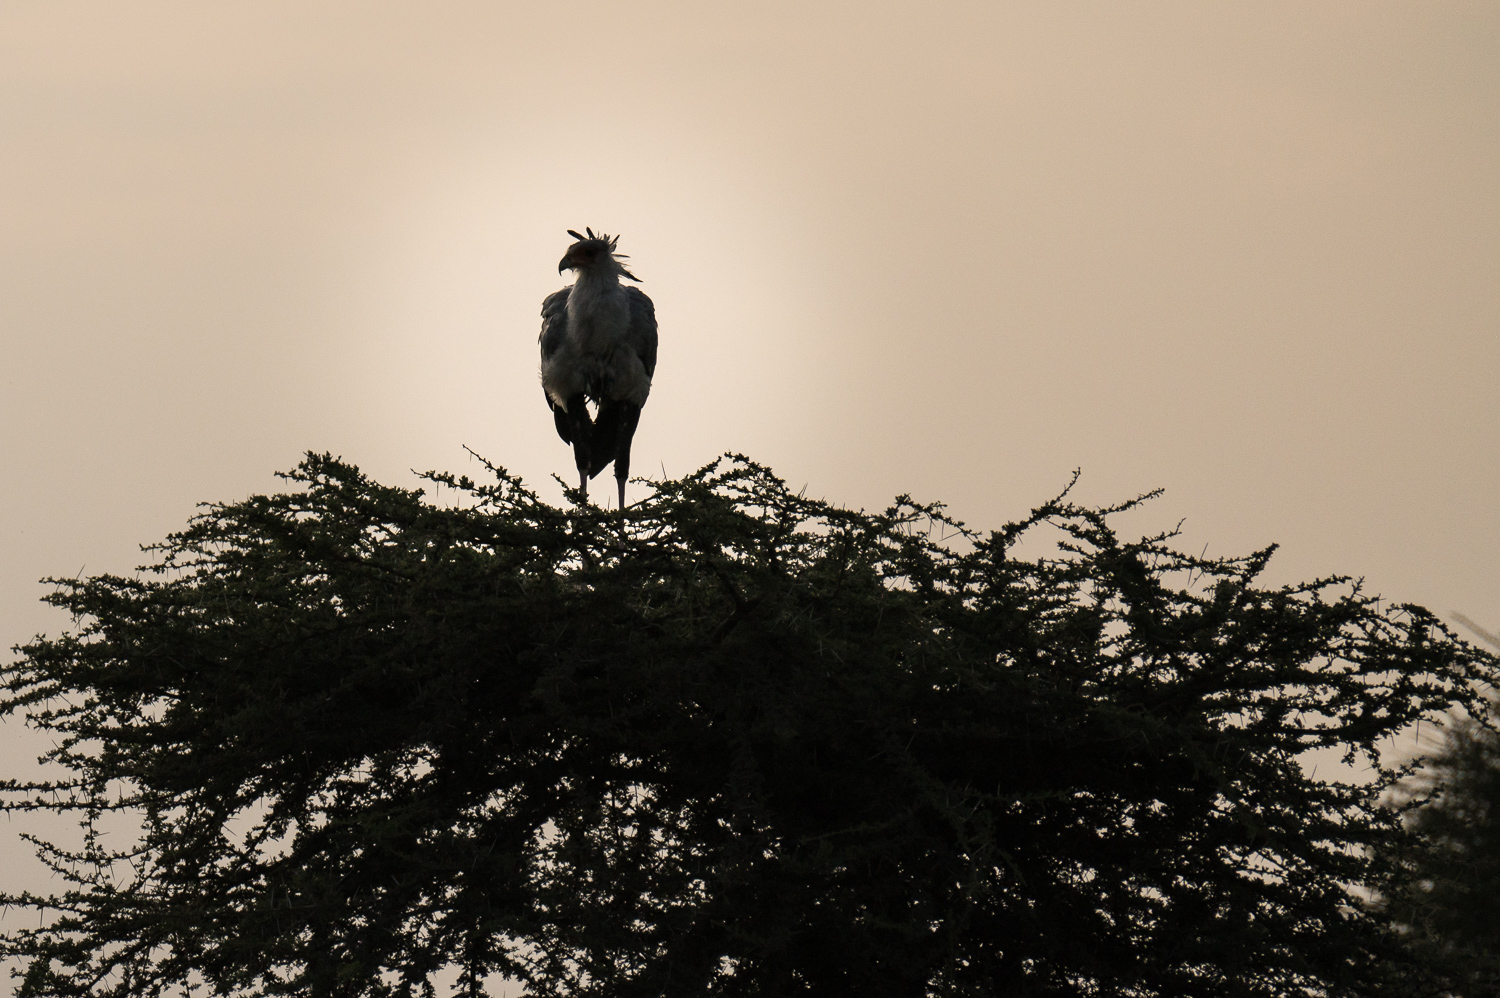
[(613, 428)]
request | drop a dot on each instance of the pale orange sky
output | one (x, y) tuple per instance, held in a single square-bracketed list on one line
[(1246, 252)]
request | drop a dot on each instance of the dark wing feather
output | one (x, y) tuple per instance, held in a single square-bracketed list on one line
[(554, 321), (554, 329), (642, 332)]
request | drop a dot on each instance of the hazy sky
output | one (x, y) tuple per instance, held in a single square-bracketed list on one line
[(1246, 252)]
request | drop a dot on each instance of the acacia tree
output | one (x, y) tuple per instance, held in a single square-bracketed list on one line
[(738, 742)]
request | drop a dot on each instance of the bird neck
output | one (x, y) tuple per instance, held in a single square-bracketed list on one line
[(591, 286)]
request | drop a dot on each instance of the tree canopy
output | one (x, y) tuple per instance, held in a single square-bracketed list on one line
[(735, 742)]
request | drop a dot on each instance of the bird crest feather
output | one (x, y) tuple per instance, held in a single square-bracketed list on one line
[(608, 244)]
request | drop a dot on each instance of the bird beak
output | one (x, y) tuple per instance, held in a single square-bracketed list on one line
[(563, 265)]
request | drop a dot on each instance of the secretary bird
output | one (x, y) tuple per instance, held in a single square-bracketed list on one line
[(598, 345)]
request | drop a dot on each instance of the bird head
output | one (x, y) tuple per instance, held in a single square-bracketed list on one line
[(595, 253)]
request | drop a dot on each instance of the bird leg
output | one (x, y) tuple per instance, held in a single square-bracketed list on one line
[(617, 419), (580, 432), (631, 417)]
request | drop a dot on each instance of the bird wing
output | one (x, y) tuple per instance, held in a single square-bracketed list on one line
[(641, 334), (554, 321), (554, 331)]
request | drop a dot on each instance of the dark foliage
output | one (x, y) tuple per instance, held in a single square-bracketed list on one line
[(739, 743), (1451, 905)]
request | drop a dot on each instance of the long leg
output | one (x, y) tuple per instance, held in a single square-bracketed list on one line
[(580, 431), (622, 448), (613, 431)]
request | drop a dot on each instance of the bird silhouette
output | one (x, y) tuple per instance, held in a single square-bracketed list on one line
[(598, 345)]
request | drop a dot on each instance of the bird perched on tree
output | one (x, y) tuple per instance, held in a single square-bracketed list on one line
[(598, 345)]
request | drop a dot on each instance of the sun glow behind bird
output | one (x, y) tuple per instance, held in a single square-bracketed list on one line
[(467, 246)]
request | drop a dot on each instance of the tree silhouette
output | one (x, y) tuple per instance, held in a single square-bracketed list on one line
[(738, 742), (1453, 804)]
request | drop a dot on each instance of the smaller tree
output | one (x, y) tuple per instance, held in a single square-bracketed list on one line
[(1451, 904)]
